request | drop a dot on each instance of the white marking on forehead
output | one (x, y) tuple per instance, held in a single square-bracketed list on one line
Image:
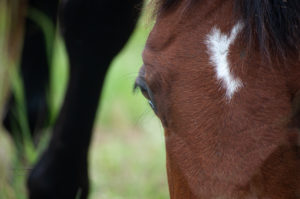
[(218, 47)]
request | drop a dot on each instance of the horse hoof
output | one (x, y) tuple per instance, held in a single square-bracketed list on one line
[(56, 177)]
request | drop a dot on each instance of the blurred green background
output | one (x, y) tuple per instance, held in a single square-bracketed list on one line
[(127, 156)]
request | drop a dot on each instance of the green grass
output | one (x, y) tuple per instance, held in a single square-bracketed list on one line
[(127, 158)]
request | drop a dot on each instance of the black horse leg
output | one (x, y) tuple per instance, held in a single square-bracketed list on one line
[(34, 70), (94, 32)]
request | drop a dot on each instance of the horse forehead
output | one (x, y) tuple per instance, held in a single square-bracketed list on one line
[(168, 27), (169, 38), (172, 43), (180, 43), (162, 34)]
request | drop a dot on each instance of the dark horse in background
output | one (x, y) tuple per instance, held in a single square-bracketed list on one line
[(94, 31)]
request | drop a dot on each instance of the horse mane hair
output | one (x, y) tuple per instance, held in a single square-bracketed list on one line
[(271, 25)]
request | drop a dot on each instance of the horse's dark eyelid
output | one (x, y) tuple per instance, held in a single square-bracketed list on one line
[(141, 82), (142, 85), (137, 87)]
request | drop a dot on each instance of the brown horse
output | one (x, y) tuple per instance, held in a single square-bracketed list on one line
[(223, 76)]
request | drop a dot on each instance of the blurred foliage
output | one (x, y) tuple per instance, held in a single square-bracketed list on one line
[(127, 158)]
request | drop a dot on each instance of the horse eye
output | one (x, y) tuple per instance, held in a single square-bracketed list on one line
[(144, 91), (152, 105), (141, 84)]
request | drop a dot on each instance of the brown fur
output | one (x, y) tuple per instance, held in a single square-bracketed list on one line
[(247, 148)]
